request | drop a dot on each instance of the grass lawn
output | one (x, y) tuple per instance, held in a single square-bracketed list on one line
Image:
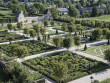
[(97, 50), (100, 18), (78, 66), (6, 12), (106, 81)]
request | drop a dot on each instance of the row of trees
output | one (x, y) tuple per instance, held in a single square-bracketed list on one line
[(67, 42)]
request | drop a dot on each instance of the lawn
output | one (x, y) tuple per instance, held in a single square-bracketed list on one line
[(78, 65), (97, 50), (100, 18), (34, 47), (106, 81)]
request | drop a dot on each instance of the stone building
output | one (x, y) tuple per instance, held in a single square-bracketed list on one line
[(20, 17)]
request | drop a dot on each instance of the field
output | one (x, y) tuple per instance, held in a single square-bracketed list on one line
[(34, 47), (78, 66), (6, 13), (97, 50), (100, 18)]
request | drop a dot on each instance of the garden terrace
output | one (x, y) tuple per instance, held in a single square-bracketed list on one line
[(34, 47), (6, 37), (78, 65)]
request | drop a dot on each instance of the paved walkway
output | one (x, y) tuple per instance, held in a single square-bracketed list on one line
[(102, 75)]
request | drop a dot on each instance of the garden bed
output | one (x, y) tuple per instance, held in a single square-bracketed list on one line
[(78, 66), (6, 37), (34, 47)]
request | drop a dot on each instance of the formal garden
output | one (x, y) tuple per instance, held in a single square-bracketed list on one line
[(5, 36), (34, 47), (97, 50), (78, 65)]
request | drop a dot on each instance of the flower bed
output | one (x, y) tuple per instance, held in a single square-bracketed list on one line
[(34, 47), (78, 66)]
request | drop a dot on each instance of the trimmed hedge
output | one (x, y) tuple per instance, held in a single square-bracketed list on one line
[(79, 68)]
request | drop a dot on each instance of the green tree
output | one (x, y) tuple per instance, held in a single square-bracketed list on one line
[(77, 40), (57, 41), (19, 25), (67, 43), (54, 12), (108, 37), (95, 11), (74, 12), (26, 31), (42, 31), (46, 23), (19, 51), (10, 26), (83, 3), (32, 33), (96, 34), (64, 27), (52, 23), (107, 55), (36, 28), (60, 70)]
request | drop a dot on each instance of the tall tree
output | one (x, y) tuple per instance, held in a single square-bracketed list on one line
[(96, 34), (77, 40), (60, 70), (57, 41), (94, 11), (19, 25), (67, 43), (10, 26), (32, 33), (108, 37), (54, 12), (74, 12)]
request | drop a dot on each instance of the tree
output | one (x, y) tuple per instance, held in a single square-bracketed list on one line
[(46, 23), (96, 34), (16, 73), (32, 33), (40, 7), (95, 11), (108, 37), (85, 47), (57, 41), (10, 26), (67, 42), (26, 31), (60, 70), (107, 54), (64, 27), (19, 25), (42, 31), (52, 23), (105, 30), (19, 51), (74, 12), (83, 3), (77, 40), (56, 31), (36, 28), (54, 12)]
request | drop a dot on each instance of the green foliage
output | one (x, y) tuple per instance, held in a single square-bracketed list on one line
[(60, 70), (34, 47), (74, 12), (78, 66), (57, 41), (96, 34), (77, 40), (19, 74), (67, 42), (32, 33), (19, 25), (54, 12), (10, 26), (107, 54)]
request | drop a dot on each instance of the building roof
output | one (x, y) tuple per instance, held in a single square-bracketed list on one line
[(63, 9)]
